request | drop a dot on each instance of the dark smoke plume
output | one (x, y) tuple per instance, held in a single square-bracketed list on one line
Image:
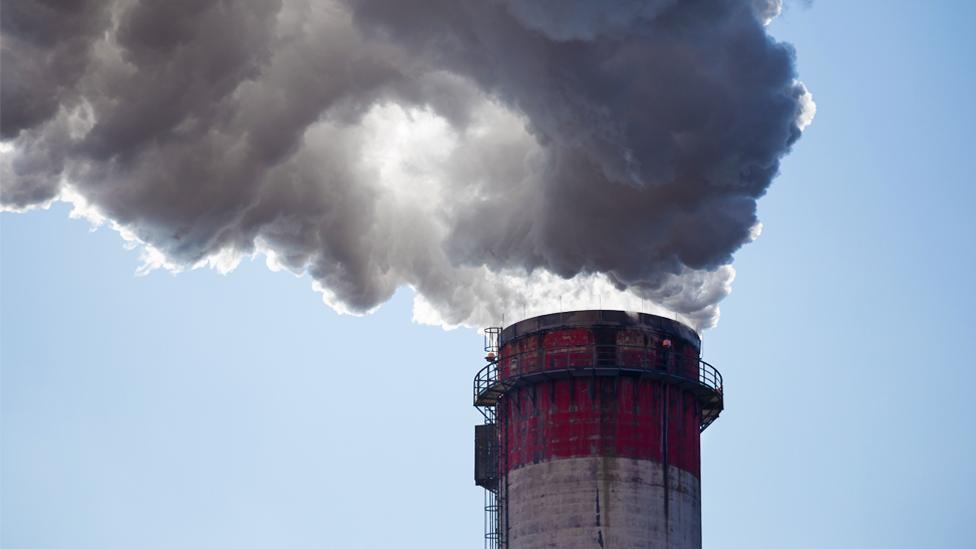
[(498, 156)]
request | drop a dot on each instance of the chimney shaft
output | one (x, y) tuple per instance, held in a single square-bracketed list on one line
[(592, 431)]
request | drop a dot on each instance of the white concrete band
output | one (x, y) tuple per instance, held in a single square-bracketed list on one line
[(602, 503)]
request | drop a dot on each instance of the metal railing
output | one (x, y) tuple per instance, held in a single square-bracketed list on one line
[(488, 387), (709, 376), (485, 379)]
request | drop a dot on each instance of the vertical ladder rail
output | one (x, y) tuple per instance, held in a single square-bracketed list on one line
[(492, 501)]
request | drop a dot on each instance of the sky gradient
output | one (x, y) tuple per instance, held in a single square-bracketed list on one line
[(203, 410)]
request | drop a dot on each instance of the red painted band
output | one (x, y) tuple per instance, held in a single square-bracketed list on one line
[(616, 417), (599, 416), (586, 347)]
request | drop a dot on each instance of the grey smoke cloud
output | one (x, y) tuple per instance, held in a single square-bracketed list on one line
[(497, 156)]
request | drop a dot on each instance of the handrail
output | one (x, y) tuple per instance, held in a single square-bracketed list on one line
[(709, 375), (665, 362), (485, 379)]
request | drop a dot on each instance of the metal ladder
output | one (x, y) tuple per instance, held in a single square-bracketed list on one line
[(493, 498)]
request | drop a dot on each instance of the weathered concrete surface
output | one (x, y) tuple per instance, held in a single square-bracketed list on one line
[(603, 503), (601, 416)]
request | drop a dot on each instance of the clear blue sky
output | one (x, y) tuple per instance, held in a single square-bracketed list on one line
[(200, 410)]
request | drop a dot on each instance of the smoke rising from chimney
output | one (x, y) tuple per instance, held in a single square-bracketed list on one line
[(497, 156)]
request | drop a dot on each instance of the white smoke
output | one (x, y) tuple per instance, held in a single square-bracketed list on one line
[(502, 158)]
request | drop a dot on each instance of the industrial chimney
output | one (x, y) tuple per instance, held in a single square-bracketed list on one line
[(591, 433)]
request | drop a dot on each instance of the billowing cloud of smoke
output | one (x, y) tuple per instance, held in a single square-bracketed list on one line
[(498, 156)]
